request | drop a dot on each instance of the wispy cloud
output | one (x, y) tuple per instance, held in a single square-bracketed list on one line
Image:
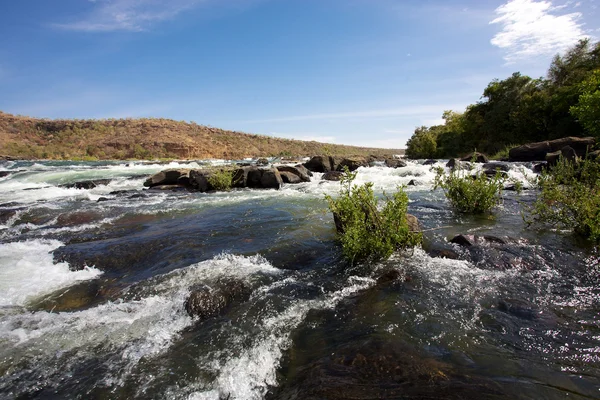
[(408, 111), (127, 15), (533, 28)]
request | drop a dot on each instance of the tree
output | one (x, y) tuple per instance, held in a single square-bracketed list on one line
[(422, 143), (587, 110)]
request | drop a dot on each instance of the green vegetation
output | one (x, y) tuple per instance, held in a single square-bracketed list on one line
[(470, 193), (520, 109), (570, 198), (366, 230), (221, 179)]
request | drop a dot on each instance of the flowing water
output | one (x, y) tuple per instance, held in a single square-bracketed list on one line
[(92, 295)]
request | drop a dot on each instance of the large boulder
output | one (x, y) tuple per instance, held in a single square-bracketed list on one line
[(300, 173), (393, 163), (175, 176), (537, 151), (352, 163), (566, 153), (319, 164), (288, 177), (271, 179), (478, 157)]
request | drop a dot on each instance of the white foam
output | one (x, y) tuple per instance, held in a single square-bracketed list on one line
[(27, 270)]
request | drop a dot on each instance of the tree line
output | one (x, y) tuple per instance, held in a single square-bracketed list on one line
[(520, 109)]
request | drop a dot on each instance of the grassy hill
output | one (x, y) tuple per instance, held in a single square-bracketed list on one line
[(149, 138)]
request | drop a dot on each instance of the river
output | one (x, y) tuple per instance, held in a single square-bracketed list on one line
[(92, 294)]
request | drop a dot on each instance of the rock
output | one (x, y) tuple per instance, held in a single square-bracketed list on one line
[(393, 163), (332, 176), (318, 164), (10, 172), (352, 163), (539, 167), (412, 183), (271, 179), (413, 223), (471, 240), (300, 173), (205, 302), (303, 169), (496, 166), (173, 188), (518, 308), (463, 240), (452, 163), (537, 151), (568, 153), (444, 253), (490, 173), (288, 177), (430, 162), (101, 199), (389, 277), (138, 196), (479, 157), (262, 162), (78, 218), (198, 180), (169, 177), (86, 184)]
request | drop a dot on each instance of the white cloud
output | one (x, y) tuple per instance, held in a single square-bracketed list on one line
[(531, 28), (128, 15)]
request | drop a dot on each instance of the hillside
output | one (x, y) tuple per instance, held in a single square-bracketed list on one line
[(148, 138)]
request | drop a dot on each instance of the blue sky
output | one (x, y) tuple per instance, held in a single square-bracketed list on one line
[(360, 72)]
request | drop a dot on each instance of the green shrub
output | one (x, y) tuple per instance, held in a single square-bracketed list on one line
[(221, 179), (569, 198), (366, 231), (470, 193)]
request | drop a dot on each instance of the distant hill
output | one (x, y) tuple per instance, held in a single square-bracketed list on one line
[(149, 138)]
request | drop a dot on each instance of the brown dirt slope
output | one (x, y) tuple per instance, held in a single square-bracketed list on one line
[(149, 138)]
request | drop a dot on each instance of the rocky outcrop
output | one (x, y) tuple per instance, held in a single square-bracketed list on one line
[(452, 163), (319, 164), (352, 163), (478, 157), (431, 161), (537, 151), (180, 176)]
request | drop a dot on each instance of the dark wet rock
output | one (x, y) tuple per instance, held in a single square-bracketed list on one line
[(36, 188), (539, 167), (172, 188), (444, 253), (300, 173), (476, 156), (77, 297), (430, 162), (518, 308), (207, 302), (389, 277), (10, 172), (490, 173), (6, 214), (471, 240), (289, 177), (176, 176), (412, 182), (10, 204), (261, 162), (271, 179), (395, 163), (199, 180), (537, 151), (496, 166), (513, 188), (352, 163), (303, 170), (382, 369), (452, 163), (121, 192), (78, 218), (332, 176), (86, 184), (102, 199), (138, 196), (319, 164)]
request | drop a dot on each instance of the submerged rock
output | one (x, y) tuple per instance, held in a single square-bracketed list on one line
[(471, 240), (86, 184)]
